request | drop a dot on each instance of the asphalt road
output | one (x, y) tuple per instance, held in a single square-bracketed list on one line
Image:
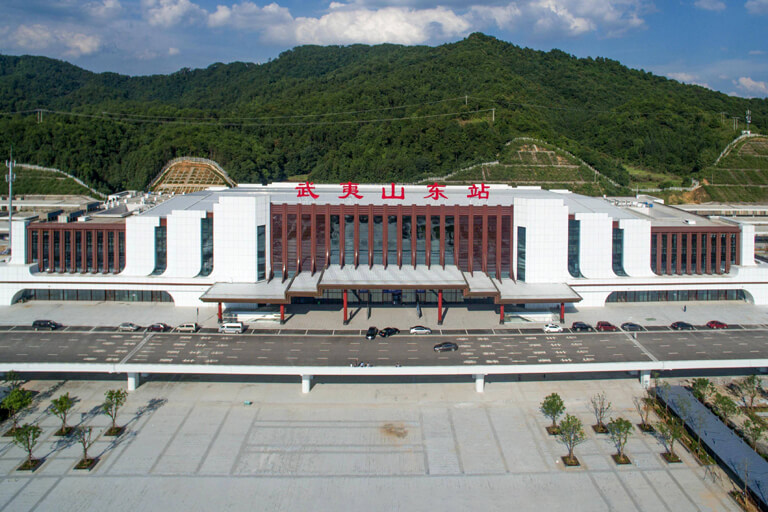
[(291, 348)]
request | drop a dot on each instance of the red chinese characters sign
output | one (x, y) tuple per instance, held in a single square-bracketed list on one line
[(391, 192)]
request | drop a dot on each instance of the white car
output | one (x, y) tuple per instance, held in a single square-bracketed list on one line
[(420, 329), (128, 327), (553, 328)]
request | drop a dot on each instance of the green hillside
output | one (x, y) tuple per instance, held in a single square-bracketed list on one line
[(365, 113), (741, 174)]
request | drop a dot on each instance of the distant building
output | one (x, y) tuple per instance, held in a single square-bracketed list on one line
[(303, 243)]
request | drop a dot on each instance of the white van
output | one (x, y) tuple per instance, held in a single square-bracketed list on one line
[(193, 327), (232, 327)]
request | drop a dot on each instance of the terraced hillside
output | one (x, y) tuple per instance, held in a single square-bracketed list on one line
[(43, 181), (741, 172), (525, 161)]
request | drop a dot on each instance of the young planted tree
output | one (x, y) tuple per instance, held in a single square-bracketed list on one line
[(644, 405), (754, 430), (12, 379), (26, 438), (749, 388), (670, 432), (725, 407), (552, 407), (601, 407), (114, 400), (84, 437), (702, 389), (571, 434), (15, 402), (619, 430), (61, 407)]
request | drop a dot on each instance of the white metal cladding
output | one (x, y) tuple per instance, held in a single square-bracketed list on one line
[(184, 243), (140, 245), (595, 245)]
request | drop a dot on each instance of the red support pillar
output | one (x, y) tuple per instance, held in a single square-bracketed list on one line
[(282, 314), (219, 313), (562, 312), (439, 307), (345, 308), (501, 313)]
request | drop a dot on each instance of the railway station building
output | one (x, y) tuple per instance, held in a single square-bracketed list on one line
[(288, 243)]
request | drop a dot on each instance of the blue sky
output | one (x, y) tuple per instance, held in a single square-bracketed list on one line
[(720, 44)]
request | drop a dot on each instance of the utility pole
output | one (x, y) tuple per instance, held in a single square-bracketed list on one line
[(465, 99), (39, 116), (10, 164), (493, 115), (735, 122), (749, 118)]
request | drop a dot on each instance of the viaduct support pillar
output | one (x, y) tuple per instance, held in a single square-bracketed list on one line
[(346, 319), (133, 381), (501, 314), (479, 382), (282, 314), (306, 383), (439, 307)]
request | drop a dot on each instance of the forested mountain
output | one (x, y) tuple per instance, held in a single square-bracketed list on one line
[(361, 113)]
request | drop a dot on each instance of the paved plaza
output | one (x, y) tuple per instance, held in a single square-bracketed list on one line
[(377, 446)]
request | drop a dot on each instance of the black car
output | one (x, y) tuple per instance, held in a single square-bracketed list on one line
[(388, 331), (581, 327), (371, 333), (446, 347), (44, 325), (681, 326), (631, 326)]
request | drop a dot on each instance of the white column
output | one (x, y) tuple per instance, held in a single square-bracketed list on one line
[(133, 381), (479, 382), (306, 383), (645, 378)]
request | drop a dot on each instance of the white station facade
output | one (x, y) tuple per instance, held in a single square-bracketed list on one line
[(288, 243)]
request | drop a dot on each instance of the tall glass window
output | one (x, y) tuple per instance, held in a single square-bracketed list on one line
[(434, 242), (684, 253), (521, 253), (34, 240), (120, 251), (449, 239), (277, 245), (574, 239), (109, 265), (694, 252), (292, 241), (79, 251), (704, 242), (305, 231), (378, 240), (67, 251), (654, 252), (335, 237), (505, 235), (89, 249), (490, 247), (733, 249), (161, 250), (100, 263), (663, 269), (673, 256), (261, 247), (421, 240), (464, 251), (723, 243), (56, 253), (406, 237), (362, 245), (206, 246), (392, 237), (349, 239), (618, 252), (320, 248), (713, 251), (46, 256)]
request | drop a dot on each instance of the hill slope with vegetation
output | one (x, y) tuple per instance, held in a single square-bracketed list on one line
[(363, 113)]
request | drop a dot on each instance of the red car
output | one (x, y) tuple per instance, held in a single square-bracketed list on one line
[(714, 324), (606, 327), (159, 327)]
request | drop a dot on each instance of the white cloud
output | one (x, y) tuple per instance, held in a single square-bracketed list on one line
[(105, 9), (41, 37), (710, 5), (752, 86), (688, 78), (247, 15), (757, 6), (167, 13), (502, 16), (173, 51), (388, 25), (756, 52)]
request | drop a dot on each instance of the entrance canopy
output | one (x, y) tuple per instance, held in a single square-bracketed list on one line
[(335, 277)]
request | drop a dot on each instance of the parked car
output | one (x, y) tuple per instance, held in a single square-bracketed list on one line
[(606, 327), (681, 326), (232, 327), (371, 333), (716, 324), (553, 328), (631, 326), (388, 331), (46, 325), (159, 327), (446, 347), (193, 327), (128, 326), (420, 329), (581, 327)]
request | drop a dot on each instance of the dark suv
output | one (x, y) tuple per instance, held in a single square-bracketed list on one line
[(581, 327), (46, 325), (371, 333), (388, 331)]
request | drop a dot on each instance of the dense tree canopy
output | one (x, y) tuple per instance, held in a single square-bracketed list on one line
[(363, 113)]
